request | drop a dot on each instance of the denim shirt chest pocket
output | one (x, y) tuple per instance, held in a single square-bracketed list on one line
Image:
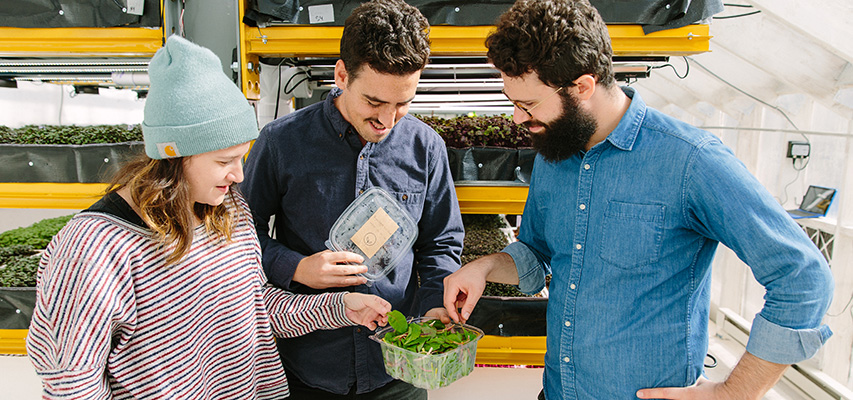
[(632, 234)]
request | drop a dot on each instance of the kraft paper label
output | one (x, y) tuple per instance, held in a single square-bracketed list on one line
[(374, 233)]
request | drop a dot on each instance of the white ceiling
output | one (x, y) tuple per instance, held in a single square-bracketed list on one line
[(788, 55)]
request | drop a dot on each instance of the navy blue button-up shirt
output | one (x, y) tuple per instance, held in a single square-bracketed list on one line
[(305, 169), (629, 230)]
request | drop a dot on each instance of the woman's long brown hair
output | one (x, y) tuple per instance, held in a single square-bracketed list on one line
[(162, 196)]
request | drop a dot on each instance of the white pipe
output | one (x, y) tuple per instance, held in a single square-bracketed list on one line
[(131, 79)]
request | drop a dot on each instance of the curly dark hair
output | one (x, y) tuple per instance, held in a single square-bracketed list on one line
[(390, 36), (560, 40)]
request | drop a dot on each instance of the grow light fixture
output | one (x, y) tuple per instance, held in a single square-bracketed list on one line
[(456, 85), (86, 72)]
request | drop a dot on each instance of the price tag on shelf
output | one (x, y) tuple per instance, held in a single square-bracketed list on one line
[(135, 6), (320, 14)]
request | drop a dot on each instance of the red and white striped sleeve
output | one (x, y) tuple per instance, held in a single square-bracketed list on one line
[(81, 303), (294, 315)]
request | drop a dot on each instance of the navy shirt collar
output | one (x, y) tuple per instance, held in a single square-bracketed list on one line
[(340, 126)]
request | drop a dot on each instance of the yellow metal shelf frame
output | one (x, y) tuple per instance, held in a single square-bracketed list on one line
[(78, 196), (80, 42), (477, 199), (511, 350), (324, 41), (13, 341)]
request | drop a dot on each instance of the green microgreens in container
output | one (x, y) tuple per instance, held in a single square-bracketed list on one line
[(426, 337)]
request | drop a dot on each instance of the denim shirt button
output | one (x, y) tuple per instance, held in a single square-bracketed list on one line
[(568, 323), (582, 206), (573, 286), (586, 166), (566, 359), (578, 246)]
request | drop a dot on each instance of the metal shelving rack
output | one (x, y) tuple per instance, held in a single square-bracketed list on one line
[(294, 41), (304, 41)]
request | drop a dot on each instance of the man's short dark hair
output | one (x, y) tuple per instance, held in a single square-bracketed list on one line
[(390, 36), (560, 40)]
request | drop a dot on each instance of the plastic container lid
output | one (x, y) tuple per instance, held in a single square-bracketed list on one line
[(375, 226)]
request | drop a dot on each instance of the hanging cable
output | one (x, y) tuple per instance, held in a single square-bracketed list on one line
[(686, 72), (804, 165), (738, 15), (123, 9), (287, 84), (733, 86), (278, 90), (784, 114), (846, 307), (785, 189), (289, 91)]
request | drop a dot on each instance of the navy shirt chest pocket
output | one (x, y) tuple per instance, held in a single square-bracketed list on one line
[(632, 234), (411, 200)]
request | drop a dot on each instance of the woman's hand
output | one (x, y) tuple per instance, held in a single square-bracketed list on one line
[(439, 313), (367, 309)]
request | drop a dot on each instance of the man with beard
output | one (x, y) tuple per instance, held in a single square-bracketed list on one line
[(308, 166), (626, 208)]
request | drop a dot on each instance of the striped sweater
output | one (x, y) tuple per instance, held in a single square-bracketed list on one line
[(112, 321)]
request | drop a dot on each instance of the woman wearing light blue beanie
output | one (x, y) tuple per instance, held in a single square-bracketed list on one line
[(157, 290)]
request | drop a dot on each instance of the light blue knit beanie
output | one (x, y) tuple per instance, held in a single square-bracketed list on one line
[(192, 106)]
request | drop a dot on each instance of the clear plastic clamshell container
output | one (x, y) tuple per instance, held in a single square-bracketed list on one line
[(429, 371), (376, 227)]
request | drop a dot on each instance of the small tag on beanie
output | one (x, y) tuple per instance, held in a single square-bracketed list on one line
[(168, 150)]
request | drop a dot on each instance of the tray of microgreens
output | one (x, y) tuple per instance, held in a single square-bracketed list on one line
[(426, 352)]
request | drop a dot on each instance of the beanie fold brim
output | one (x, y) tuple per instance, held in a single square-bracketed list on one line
[(215, 134)]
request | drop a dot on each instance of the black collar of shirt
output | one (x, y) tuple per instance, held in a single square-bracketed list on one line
[(115, 205)]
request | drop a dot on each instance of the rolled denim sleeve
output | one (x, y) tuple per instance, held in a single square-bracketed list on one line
[(781, 345), (529, 252), (531, 274), (781, 256)]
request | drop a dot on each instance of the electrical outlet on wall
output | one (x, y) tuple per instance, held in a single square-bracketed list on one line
[(798, 149)]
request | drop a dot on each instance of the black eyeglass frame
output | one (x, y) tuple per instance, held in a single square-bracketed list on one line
[(529, 109)]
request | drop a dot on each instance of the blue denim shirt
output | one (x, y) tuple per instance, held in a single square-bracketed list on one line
[(305, 169), (629, 230)]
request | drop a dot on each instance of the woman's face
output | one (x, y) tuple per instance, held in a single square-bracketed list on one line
[(211, 174)]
